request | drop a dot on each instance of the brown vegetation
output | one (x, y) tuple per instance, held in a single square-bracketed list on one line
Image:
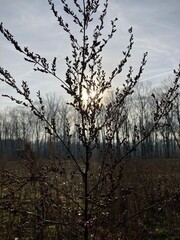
[(46, 204)]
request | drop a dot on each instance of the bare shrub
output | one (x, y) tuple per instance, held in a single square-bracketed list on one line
[(73, 198)]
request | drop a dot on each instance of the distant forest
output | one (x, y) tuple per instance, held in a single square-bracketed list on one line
[(19, 126)]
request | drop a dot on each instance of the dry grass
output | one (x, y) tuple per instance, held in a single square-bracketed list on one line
[(48, 206)]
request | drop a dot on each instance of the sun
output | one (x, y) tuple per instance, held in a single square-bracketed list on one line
[(88, 95)]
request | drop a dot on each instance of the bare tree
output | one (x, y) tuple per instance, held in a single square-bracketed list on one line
[(85, 76)]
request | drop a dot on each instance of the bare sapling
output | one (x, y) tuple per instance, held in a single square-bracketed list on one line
[(92, 185)]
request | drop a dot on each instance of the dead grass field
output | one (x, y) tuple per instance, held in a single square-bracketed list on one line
[(48, 207)]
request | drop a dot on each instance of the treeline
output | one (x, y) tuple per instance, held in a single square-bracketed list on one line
[(19, 126)]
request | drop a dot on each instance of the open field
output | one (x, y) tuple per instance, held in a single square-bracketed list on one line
[(47, 205)]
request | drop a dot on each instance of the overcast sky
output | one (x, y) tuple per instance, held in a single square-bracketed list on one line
[(155, 25)]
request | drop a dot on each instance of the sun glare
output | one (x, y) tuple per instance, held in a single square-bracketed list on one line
[(88, 95)]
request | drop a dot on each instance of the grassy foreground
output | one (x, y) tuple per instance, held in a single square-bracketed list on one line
[(37, 206)]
